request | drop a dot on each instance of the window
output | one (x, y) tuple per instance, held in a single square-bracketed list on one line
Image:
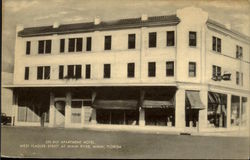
[(26, 73), (70, 71), (216, 71), (131, 70), (40, 47), (239, 78), (87, 71), (48, 46), (170, 38), (192, 39), (44, 46), (192, 69), (71, 45), (61, 72), (239, 52), (43, 72), (62, 45), (39, 72), (75, 44), (152, 40), (151, 69), (47, 72), (170, 68), (131, 41), (106, 71), (27, 47), (74, 71), (216, 44), (78, 72), (88, 44), (79, 44), (107, 45)]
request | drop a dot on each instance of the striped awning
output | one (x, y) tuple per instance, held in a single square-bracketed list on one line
[(115, 104), (217, 98)]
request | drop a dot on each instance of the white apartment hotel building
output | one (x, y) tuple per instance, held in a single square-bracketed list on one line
[(180, 72)]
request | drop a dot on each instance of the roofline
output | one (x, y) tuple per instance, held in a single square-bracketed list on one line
[(99, 27), (215, 25), (86, 85)]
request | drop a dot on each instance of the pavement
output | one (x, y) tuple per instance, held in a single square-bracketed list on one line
[(34, 142)]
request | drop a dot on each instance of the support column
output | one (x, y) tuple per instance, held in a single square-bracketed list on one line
[(203, 112), (180, 108), (240, 110), (68, 109), (141, 110), (52, 110), (82, 116), (142, 117), (247, 112), (93, 115), (229, 110), (15, 108)]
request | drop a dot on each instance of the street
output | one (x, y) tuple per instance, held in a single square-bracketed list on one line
[(86, 143)]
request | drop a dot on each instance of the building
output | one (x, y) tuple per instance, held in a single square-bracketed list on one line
[(6, 94), (171, 71)]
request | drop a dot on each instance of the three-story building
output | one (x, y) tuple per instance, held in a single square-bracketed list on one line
[(178, 71)]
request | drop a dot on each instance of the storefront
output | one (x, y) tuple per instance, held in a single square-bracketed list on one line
[(116, 112), (193, 105), (32, 107), (159, 106), (117, 106), (217, 110)]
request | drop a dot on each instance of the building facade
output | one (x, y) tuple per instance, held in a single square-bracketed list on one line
[(182, 71)]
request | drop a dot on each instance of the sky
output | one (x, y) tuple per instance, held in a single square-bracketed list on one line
[(31, 13)]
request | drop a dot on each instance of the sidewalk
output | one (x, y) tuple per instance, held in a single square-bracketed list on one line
[(171, 130), (218, 132)]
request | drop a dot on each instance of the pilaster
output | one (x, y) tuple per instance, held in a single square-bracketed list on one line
[(52, 110), (203, 112), (180, 108), (68, 109), (229, 110)]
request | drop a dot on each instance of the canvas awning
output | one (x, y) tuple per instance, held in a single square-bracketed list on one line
[(193, 97), (216, 98), (158, 104), (115, 104)]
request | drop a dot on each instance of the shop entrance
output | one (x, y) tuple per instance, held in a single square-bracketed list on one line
[(115, 116), (217, 110), (193, 105), (59, 113), (160, 116)]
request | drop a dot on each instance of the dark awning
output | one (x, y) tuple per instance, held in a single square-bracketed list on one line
[(214, 97), (217, 98), (157, 104), (115, 104), (194, 100)]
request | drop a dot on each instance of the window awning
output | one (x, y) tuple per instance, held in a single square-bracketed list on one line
[(214, 97), (115, 104), (193, 97), (217, 98), (158, 104)]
